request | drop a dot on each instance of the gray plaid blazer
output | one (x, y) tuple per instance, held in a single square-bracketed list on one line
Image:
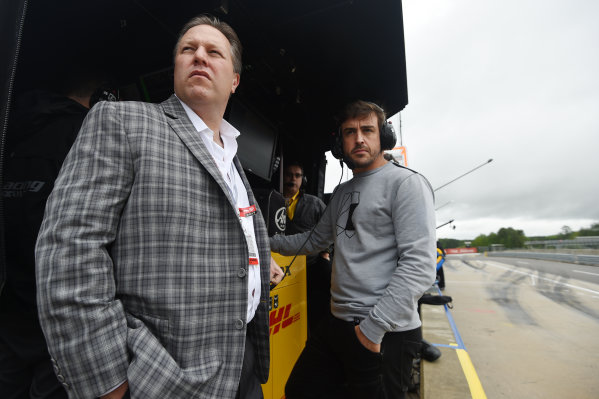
[(141, 262)]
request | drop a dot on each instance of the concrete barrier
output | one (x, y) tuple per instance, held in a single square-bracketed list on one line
[(583, 259)]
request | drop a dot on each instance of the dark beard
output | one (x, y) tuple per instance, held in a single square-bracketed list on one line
[(352, 165)]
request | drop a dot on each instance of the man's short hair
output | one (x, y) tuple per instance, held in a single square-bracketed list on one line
[(361, 109), (222, 27), (294, 163)]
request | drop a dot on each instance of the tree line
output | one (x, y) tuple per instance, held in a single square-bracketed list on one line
[(512, 238)]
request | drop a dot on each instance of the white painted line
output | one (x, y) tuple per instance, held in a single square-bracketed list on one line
[(580, 271), (544, 278)]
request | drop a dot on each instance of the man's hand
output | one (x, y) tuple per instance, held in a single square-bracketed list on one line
[(368, 344), (276, 273), (117, 393)]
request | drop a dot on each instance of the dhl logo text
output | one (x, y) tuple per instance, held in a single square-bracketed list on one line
[(279, 319)]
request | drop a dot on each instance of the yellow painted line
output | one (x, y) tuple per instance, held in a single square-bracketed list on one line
[(476, 388)]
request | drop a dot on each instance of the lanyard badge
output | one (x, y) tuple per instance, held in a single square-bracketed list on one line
[(249, 236), (247, 211)]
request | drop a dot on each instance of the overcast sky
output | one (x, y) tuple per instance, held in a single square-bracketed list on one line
[(512, 80)]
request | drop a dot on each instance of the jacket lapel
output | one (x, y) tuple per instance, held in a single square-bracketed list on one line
[(246, 183), (180, 123)]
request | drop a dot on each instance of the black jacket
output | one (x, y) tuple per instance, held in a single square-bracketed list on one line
[(42, 130)]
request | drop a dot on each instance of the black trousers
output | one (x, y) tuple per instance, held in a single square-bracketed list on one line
[(441, 277), (249, 385), (318, 276), (334, 364), (25, 368)]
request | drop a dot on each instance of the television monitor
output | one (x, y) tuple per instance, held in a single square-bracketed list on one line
[(257, 142)]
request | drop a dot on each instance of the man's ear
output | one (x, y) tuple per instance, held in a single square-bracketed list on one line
[(235, 83)]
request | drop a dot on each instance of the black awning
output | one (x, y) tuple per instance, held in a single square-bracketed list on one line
[(302, 59)]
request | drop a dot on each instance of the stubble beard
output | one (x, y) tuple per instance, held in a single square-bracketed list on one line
[(361, 163)]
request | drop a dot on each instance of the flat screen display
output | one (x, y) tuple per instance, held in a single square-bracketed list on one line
[(257, 142)]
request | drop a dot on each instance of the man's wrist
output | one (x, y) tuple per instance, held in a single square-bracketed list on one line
[(371, 330)]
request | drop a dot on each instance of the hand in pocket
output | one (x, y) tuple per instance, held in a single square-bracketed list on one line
[(368, 344)]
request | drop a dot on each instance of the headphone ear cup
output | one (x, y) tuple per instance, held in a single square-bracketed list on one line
[(337, 147), (388, 137)]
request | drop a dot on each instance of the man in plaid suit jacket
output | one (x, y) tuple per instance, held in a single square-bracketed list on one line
[(152, 261)]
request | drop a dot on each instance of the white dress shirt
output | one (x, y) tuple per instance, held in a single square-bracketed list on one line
[(223, 157)]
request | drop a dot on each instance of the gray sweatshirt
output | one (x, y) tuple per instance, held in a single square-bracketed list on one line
[(382, 223)]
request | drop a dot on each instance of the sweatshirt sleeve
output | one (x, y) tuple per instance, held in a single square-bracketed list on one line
[(313, 241), (414, 225)]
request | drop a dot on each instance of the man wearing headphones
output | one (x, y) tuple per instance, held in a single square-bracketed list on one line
[(303, 212), (382, 223)]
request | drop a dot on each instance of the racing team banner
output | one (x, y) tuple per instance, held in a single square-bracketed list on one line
[(461, 251)]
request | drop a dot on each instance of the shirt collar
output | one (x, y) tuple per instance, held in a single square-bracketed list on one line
[(228, 135), (373, 171), (226, 129), (294, 197)]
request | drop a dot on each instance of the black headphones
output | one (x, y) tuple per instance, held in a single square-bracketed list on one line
[(386, 134), (103, 93)]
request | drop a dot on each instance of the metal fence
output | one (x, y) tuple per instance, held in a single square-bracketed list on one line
[(577, 243)]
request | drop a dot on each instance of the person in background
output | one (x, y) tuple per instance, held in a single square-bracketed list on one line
[(43, 127), (303, 212), (440, 274), (382, 223), (152, 261)]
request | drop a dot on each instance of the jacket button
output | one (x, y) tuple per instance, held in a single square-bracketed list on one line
[(239, 324), (242, 273), (60, 378)]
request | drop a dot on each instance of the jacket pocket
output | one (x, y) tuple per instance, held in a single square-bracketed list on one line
[(153, 372)]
